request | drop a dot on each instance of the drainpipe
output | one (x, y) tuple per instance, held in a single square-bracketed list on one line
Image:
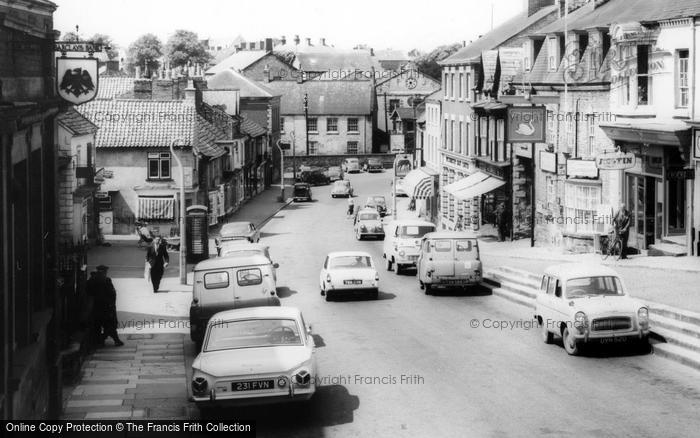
[(576, 128), (690, 190)]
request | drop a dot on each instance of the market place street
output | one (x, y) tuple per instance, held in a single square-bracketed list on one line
[(458, 380)]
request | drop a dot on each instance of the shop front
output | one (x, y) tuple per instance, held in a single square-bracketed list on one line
[(655, 190)]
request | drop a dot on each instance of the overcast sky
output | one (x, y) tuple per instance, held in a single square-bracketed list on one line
[(380, 24)]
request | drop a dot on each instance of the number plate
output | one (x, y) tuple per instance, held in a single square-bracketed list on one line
[(253, 385), (352, 282)]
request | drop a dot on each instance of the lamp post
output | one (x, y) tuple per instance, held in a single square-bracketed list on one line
[(393, 212), (281, 170), (306, 120), (183, 241)]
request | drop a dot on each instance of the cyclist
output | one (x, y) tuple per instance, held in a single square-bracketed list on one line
[(621, 223)]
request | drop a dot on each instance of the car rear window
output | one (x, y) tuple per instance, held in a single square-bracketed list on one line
[(249, 277), (415, 231), (350, 262), (466, 249), (216, 280), (369, 217), (300, 191), (443, 246)]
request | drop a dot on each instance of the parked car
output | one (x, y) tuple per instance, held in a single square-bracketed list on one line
[(315, 176), (302, 192), (335, 173), (402, 243), (342, 188), (255, 356), (585, 303), (449, 259), (400, 189), (242, 248), (377, 202), (225, 283), (351, 165), (237, 231), (349, 271), (368, 223), (375, 165)]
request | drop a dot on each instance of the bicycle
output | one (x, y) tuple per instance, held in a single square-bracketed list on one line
[(612, 246)]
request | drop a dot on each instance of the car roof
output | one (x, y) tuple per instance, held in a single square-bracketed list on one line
[(566, 271), (451, 235), (232, 261), (367, 210), (257, 312), (243, 245), (228, 225), (348, 253), (412, 222)]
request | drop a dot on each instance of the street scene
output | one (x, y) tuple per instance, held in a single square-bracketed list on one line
[(492, 231)]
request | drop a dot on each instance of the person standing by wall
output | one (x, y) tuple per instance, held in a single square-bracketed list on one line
[(100, 287), (157, 257)]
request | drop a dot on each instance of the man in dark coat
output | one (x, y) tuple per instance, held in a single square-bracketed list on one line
[(622, 222), (157, 258), (100, 287), (502, 222)]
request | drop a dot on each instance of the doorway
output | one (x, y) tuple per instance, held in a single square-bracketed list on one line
[(646, 210), (676, 205)]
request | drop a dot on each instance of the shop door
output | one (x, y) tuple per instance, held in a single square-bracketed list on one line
[(676, 206), (642, 205)]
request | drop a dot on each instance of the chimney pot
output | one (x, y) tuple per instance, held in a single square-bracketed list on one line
[(308, 41), (296, 39), (323, 41)]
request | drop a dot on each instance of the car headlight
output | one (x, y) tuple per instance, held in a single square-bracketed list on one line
[(328, 278), (363, 228), (402, 253), (580, 322), (302, 378), (199, 386), (643, 316)]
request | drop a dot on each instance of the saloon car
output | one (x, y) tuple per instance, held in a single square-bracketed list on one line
[(378, 203), (351, 165), (586, 303), (302, 192), (349, 272), (255, 356), (237, 231), (342, 188), (368, 223), (335, 173)]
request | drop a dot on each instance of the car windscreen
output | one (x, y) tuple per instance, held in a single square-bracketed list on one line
[(593, 286), (369, 217), (235, 228), (252, 333), (379, 200), (350, 262), (415, 230)]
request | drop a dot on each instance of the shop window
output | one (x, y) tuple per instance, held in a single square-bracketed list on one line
[(581, 207), (552, 53)]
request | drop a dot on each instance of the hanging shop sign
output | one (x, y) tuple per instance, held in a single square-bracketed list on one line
[(615, 160), (77, 79), (526, 124), (548, 161)]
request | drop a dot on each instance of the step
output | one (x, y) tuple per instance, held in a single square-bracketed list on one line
[(678, 354), (674, 313), (667, 249), (673, 325), (526, 292), (684, 341), (510, 296), (525, 282)]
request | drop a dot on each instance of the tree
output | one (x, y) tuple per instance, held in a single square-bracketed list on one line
[(184, 47), (428, 63), (147, 51), (106, 40)]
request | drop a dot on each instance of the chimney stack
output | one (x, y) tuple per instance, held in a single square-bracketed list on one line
[(137, 72), (261, 45), (323, 41), (371, 51), (283, 40), (308, 41), (190, 93), (268, 45)]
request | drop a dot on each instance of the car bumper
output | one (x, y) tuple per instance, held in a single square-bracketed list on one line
[(301, 198), (454, 281), (406, 260), (353, 287), (375, 169), (243, 399), (371, 234), (605, 337)]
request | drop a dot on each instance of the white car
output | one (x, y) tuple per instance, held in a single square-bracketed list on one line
[(342, 188), (256, 355), (351, 165), (243, 248), (588, 303), (402, 242), (368, 223), (349, 271)]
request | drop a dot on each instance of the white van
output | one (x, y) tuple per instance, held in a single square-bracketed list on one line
[(402, 242), (226, 283), (449, 259)]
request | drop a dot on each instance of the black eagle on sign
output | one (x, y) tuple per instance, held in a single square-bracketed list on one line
[(77, 82)]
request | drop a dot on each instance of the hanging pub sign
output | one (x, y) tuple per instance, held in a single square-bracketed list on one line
[(526, 124), (76, 79), (615, 160)]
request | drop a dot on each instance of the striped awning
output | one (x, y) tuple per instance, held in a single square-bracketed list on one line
[(156, 208), (474, 185), (419, 183)]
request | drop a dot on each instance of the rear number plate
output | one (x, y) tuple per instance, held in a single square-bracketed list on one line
[(352, 282), (253, 385)]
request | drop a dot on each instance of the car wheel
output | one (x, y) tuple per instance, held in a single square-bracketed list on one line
[(428, 288), (547, 336), (570, 345)]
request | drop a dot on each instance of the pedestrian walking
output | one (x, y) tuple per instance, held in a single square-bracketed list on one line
[(501, 222), (621, 223), (351, 206), (158, 259), (104, 309)]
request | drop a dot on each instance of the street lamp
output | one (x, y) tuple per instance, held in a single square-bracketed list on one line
[(306, 120), (393, 212), (281, 169), (183, 241)]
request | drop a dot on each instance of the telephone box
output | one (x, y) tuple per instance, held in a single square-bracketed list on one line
[(197, 224)]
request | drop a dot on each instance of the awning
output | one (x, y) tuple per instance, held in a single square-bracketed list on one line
[(670, 133), (474, 185), (155, 208), (419, 182)]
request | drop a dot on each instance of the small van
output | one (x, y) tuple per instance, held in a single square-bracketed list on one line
[(402, 242), (449, 259), (226, 283)]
